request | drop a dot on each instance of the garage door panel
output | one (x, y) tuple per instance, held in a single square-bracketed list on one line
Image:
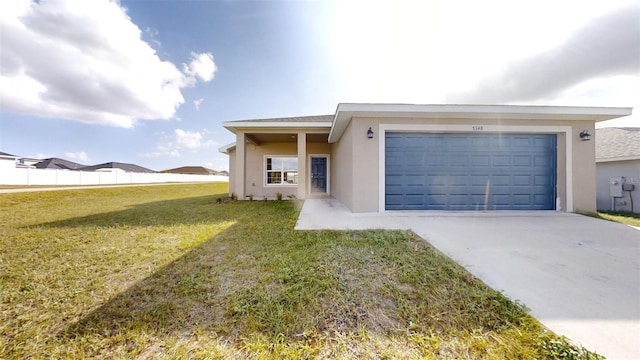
[(479, 180), (500, 180), (541, 161), (414, 179), (394, 200), (543, 180), (460, 161), (458, 142), (457, 180), (453, 171), (521, 199), (521, 160), (480, 142), (480, 160), (541, 141), (522, 141), (501, 200)]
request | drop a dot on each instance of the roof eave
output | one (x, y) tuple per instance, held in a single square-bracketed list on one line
[(227, 148), (345, 112), (618, 158), (233, 126)]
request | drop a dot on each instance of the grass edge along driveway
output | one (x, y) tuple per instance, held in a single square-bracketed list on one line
[(180, 272)]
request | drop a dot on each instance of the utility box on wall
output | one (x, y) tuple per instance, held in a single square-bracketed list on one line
[(615, 187)]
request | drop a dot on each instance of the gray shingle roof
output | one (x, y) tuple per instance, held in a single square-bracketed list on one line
[(201, 170), (57, 163), (117, 165), (617, 143), (314, 118), (7, 154)]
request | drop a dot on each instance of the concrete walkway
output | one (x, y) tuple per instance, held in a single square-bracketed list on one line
[(578, 275)]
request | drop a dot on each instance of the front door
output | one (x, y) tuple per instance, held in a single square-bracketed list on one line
[(318, 174)]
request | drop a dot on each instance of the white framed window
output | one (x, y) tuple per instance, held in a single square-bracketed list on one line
[(281, 170)]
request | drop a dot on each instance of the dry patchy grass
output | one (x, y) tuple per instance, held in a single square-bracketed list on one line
[(172, 272)]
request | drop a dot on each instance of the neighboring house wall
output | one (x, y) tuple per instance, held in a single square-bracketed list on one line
[(367, 167), (7, 164), (630, 169)]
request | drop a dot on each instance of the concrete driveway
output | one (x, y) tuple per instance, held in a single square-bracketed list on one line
[(578, 275)]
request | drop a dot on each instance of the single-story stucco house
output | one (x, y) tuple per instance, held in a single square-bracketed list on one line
[(381, 157), (618, 169)]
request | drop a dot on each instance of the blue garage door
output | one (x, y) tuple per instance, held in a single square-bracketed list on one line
[(476, 171)]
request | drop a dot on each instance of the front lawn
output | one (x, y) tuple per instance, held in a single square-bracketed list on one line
[(620, 217), (179, 272)]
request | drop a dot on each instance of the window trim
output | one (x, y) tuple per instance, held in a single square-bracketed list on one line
[(265, 171)]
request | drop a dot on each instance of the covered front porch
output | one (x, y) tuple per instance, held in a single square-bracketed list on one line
[(287, 159)]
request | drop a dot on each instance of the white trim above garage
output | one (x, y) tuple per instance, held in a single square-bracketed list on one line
[(345, 112), (479, 128)]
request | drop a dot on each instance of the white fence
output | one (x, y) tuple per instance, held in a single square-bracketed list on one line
[(21, 176)]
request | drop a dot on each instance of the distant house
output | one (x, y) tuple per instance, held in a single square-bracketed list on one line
[(618, 169), (27, 163), (117, 165), (7, 161), (193, 170), (57, 164)]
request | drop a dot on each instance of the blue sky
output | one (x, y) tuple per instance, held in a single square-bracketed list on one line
[(150, 82)]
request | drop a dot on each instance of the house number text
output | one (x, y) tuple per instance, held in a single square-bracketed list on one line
[(477, 128)]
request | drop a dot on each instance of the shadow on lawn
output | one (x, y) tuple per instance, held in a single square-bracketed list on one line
[(166, 212), (193, 291), (177, 298)]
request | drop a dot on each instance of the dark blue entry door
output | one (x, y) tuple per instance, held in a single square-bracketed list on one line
[(470, 171), (318, 174)]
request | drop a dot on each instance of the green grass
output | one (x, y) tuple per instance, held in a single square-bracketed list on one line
[(620, 217), (173, 272)]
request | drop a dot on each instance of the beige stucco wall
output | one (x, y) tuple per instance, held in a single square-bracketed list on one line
[(232, 171), (355, 167), (342, 168), (361, 192), (366, 167), (584, 169)]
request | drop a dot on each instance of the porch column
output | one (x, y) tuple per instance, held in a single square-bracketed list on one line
[(240, 161), (302, 165)]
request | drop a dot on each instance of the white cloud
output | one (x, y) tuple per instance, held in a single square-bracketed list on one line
[(421, 51), (220, 164), (197, 103), (190, 140), (156, 154), (170, 146), (603, 48), (86, 61), (77, 156), (152, 35), (40, 156), (201, 66)]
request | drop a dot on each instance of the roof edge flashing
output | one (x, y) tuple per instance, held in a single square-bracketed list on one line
[(347, 111), (227, 148)]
